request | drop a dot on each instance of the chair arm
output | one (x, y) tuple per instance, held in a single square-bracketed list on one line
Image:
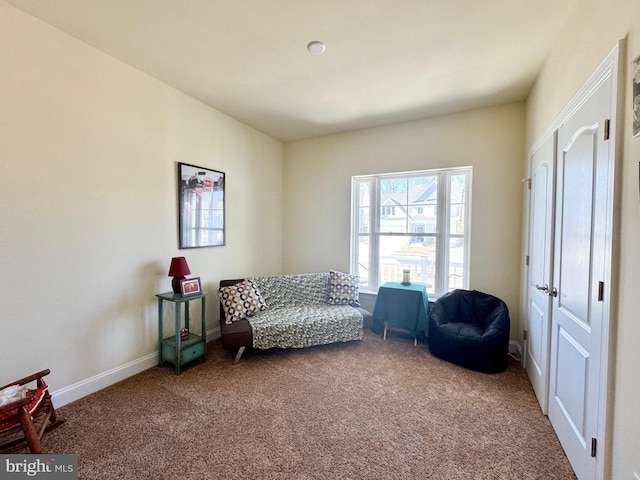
[(36, 376), (21, 402)]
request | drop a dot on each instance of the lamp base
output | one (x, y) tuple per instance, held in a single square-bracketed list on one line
[(175, 284)]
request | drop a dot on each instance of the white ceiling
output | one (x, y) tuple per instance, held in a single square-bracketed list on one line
[(386, 61)]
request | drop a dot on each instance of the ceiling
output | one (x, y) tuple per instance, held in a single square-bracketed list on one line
[(386, 61)]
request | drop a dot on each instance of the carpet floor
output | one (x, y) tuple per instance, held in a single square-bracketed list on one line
[(360, 410)]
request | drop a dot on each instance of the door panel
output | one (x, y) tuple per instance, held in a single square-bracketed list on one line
[(570, 387), (577, 313), (536, 336), (540, 269), (576, 228)]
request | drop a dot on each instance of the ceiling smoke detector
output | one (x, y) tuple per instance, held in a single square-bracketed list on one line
[(316, 47)]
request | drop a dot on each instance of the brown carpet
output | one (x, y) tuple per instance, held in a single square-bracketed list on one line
[(360, 410)]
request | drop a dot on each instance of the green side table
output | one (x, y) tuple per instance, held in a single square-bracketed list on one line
[(173, 349), (404, 308)]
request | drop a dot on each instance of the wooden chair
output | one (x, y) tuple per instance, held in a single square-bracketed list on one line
[(24, 421)]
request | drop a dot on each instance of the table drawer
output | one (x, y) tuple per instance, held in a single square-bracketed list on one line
[(191, 353), (190, 350)]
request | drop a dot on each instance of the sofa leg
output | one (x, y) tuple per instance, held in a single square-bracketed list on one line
[(238, 355)]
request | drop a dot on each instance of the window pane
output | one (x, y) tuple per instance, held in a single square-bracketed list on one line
[(364, 193), (393, 198), (456, 263), (395, 188), (409, 205), (422, 203), (362, 260), (393, 219), (418, 254), (457, 221), (364, 220)]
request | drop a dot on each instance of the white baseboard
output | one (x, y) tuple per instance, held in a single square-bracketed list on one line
[(83, 388), (91, 385)]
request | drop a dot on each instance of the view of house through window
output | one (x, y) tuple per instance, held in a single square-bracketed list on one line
[(417, 221)]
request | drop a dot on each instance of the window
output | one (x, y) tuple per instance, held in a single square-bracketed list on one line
[(417, 221)]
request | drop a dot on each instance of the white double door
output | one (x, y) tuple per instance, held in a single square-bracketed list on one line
[(570, 230)]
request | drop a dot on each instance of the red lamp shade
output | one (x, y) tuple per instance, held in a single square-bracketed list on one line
[(178, 269)]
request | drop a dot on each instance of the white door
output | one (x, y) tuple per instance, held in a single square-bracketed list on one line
[(581, 265), (541, 205)]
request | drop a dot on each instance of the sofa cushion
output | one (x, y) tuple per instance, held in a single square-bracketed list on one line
[(304, 326), (241, 300), (343, 289)]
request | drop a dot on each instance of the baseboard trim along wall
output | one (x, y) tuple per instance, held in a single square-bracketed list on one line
[(93, 384)]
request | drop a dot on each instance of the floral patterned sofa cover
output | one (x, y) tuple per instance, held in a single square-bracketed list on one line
[(291, 311)]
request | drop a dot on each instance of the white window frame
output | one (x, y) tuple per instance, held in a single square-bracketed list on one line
[(443, 233)]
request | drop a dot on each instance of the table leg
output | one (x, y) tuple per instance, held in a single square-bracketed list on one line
[(160, 320), (178, 340), (204, 329)]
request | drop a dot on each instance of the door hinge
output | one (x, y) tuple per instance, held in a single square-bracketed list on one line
[(527, 260), (601, 291), (524, 335), (607, 123), (594, 443)]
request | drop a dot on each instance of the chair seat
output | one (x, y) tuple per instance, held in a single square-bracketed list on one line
[(24, 421), (462, 329), (10, 418)]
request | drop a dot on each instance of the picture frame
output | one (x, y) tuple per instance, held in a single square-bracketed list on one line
[(201, 207), (635, 85), (190, 286)]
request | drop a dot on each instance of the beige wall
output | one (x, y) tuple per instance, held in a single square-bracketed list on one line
[(318, 188), (89, 148), (585, 42)]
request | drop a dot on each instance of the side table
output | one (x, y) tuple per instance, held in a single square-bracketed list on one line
[(172, 349), (402, 308)]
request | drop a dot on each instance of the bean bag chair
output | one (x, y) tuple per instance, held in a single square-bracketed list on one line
[(471, 329)]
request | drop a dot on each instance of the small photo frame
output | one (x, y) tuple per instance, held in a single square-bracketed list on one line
[(190, 286)]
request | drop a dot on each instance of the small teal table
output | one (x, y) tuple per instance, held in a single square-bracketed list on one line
[(402, 308), (173, 349)]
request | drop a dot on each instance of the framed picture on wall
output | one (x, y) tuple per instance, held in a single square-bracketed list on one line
[(635, 69), (201, 207)]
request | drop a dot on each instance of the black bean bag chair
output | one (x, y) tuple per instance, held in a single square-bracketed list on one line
[(471, 329)]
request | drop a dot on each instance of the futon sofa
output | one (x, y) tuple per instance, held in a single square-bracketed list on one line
[(290, 311)]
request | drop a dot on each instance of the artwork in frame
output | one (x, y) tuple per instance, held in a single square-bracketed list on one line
[(635, 68), (201, 206), (190, 286)]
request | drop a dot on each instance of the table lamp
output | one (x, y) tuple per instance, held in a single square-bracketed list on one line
[(178, 269)]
